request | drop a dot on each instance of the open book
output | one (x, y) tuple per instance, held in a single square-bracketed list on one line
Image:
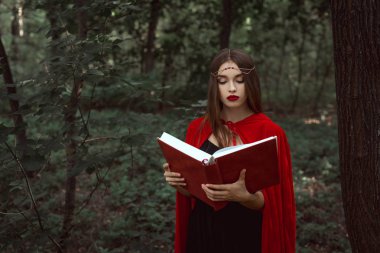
[(223, 167)]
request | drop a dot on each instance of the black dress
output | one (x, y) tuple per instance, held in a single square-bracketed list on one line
[(233, 229)]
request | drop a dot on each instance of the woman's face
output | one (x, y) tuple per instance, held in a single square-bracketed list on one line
[(231, 85)]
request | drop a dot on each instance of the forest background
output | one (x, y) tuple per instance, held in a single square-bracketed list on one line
[(91, 84)]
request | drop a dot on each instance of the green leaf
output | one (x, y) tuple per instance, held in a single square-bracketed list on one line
[(95, 72), (117, 41)]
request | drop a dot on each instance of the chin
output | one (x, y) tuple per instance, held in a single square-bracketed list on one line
[(233, 105)]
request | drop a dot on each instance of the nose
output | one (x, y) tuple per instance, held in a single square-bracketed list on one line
[(231, 86)]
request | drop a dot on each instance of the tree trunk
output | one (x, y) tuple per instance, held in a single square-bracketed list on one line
[(266, 93), (356, 35), (70, 149), (321, 88), (71, 145), (279, 74), (149, 48), (226, 22), (53, 8), (81, 19), (51, 14), (17, 27), (14, 104), (320, 49), (300, 67), (165, 77)]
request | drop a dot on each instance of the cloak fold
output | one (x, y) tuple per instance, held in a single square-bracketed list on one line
[(279, 214)]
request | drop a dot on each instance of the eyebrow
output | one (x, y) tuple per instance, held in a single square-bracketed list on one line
[(239, 75)]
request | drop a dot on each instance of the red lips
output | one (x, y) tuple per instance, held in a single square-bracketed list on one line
[(232, 98)]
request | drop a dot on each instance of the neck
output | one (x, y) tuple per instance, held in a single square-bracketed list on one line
[(235, 114)]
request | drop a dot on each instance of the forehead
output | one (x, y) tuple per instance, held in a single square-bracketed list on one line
[(229, 69)]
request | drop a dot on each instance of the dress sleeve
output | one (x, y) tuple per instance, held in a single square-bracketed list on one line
[(279, 220)]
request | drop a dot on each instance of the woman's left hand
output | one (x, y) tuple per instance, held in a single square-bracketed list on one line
[(228, 192)]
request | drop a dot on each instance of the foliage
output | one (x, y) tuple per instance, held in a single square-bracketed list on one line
[(320, 223)]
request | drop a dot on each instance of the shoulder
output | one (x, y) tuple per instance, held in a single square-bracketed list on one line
[(270, 126), (194, 126), (197, 131), (198, 125), (195, 123)]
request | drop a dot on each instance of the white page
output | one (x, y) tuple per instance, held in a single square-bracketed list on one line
[(184, 147), (229, 150)]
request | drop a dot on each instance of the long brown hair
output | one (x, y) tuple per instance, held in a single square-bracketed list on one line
[(214, 104)]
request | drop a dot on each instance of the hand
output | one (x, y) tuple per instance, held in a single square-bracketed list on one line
[(173, 178), (228, 192)]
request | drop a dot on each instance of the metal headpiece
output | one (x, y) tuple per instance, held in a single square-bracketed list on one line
[(245, 71)]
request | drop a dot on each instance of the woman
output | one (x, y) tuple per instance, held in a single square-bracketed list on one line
[(263, 221)]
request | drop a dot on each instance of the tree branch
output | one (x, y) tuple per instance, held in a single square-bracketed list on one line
[(98, 183), (31, 196)]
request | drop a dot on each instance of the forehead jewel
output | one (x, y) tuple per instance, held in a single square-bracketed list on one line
[(245, 71)]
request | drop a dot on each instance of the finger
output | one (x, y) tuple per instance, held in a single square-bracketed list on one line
[(175, 179), (213, 193), (220, 187), (220, 199), (216, 198), (171, 174), (165, 166), (242, 175), (225, 197), (177, 184), (212, 198)]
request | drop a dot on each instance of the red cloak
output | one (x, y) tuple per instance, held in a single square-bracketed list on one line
[(279, 214)]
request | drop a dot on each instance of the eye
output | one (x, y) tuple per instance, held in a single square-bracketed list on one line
[(240, 80), (221, 81)]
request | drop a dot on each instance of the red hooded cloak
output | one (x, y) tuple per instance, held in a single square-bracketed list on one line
[(279, 217)]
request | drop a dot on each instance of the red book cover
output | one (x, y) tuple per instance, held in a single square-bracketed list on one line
[(194, 172), (259, 160)]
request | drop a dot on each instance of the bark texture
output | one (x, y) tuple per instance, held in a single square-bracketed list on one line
[(226, 22), (356, 34), (13, 103), (71, 144), (149, 48)]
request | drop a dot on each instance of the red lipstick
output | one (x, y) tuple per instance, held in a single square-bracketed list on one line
[(232, 98)]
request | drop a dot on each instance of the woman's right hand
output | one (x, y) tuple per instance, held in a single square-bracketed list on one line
[(174, 179)]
